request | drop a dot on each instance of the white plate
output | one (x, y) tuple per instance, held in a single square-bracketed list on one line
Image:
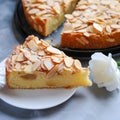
[(34, 99)]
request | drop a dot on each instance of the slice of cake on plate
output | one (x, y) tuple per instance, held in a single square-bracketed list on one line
[(94, 24), (36, 64), (46, 15)]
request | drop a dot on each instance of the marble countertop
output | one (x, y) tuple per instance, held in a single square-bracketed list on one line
[(86, 104)]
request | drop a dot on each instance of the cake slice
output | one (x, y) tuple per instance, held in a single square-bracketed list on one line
[(94, 24), (46, 15), (36, 64)]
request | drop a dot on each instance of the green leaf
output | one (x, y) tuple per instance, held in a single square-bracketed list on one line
[(118, 64)]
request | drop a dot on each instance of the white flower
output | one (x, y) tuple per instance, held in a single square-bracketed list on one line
[(104, 71)]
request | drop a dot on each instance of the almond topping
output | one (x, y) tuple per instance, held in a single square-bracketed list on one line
[(77, 64), (36, 65), (20, 57), (52, 72), (56, 59), (53, 50), (33, 11), (32, 45), (68, 61), (116, 26), (108, 29), (57, 8), (97, 27), (48, 64)]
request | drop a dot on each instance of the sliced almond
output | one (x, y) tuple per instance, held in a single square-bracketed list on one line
[(56, 59), (68, 61), (116, 26), (14, 58), (97, 27), (20, 57), (53, 50), (28, 68), (34, 11), (52, 72), (41, 53), (69, 16), (77, 64), (18, 66), (32, 45), (57, 8), (108, 29), (48, 64), (33, 58), (86, 34), (36, 65)]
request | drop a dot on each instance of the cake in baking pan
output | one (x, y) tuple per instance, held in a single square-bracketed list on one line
[(94, 24)]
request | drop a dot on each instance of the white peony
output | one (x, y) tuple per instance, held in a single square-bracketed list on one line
[(104, 71)]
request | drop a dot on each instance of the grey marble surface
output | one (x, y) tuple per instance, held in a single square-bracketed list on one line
[(86, 104)]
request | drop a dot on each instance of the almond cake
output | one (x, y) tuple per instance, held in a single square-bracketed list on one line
[(36, 64), (46, 15), (94, 24)]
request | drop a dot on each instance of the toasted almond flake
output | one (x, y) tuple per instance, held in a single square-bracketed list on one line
[(60, 67), (33, 58), (37, 41), (41, 13), (26, 54), (108, 29), (28, 68), (41, 53), (32, 45), (34, 11), (56, 59), (86, 34), (116, 26), (20, 57), (77, 64), (50, 2), (44, 43), (36, 65), (48, 64), (97, 27), (76, 13), (57, 8), (69, 16), (52, 72), (14, 58), (18, 66), (68, 27), (68, 61), (53, 50)]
